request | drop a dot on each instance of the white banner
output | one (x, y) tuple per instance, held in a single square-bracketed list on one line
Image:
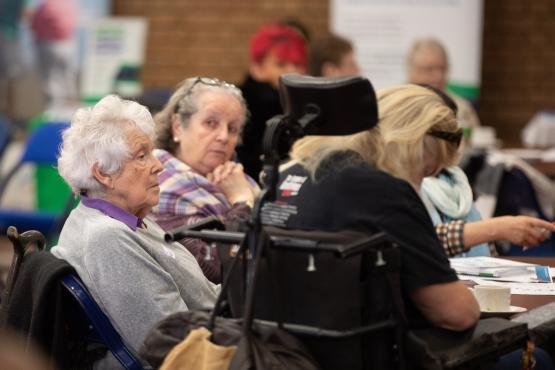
[(384, 30)]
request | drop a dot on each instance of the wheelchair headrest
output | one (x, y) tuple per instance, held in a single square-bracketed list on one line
[(347, 105)]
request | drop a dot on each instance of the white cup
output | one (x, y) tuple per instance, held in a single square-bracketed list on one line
[(493, 298)]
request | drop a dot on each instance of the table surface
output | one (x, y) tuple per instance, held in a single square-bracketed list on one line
[(532, 301), (547, 168)]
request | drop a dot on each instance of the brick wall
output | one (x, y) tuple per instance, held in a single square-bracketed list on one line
[(210, 37), (518, 64)]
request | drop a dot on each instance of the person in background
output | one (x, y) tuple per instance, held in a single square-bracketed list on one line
[(119, 253), (428, 63), (275, 49), (53, 23), (197, 132), (332, 56), (421, 142)]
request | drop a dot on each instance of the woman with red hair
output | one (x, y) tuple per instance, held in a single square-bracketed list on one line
[(275, 49)]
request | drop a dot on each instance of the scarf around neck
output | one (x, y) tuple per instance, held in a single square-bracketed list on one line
[(450, 194)]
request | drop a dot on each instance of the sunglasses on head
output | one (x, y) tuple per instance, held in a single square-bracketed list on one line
[(205, 81), (209, 82), (452, 137)]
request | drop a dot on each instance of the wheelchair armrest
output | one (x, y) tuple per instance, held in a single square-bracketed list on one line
[(344, 243), (443, 349)]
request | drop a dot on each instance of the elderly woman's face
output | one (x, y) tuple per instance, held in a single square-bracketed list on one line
[(135, 187), (211, 136)]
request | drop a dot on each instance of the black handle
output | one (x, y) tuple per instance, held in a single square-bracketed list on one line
[(181, 232)]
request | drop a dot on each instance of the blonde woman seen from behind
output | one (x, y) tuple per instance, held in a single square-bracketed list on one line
[(337, 187)]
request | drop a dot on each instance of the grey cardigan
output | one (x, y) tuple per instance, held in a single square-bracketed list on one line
[(135, 276)]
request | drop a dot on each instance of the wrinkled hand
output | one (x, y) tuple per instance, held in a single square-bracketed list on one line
[(230, 178), (523, 230)]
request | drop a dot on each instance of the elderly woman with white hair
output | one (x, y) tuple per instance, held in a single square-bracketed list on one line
[(120, 255), (197, 132)]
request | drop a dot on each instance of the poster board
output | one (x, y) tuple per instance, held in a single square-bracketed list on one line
[(111, 44)]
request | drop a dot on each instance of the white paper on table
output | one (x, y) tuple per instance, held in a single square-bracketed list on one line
[(525, 277), (504, 270), (520, 288), (484, 261)]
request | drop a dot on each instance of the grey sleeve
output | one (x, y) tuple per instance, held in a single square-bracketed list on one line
[(131, 286)]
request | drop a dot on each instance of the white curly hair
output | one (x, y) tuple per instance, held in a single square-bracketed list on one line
[(98, 135)]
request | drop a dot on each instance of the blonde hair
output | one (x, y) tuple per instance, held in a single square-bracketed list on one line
[(407, 114), (311, 151)]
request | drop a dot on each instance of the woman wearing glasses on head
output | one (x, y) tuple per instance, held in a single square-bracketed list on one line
[(197, 132), (421, 145)]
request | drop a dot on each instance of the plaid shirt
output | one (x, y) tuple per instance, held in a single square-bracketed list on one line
[(451, 236), (187, 197)]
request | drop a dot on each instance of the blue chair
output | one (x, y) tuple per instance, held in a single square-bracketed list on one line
[(97, 327), (41, 148)]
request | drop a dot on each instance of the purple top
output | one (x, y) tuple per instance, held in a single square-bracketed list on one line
[(113, 211)]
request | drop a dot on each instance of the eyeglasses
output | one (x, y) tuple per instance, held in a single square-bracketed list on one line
[(208, 82), (452, 137)]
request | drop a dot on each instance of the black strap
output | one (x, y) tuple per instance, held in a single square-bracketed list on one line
[(218, 307), (394, 282), (248, 314)]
